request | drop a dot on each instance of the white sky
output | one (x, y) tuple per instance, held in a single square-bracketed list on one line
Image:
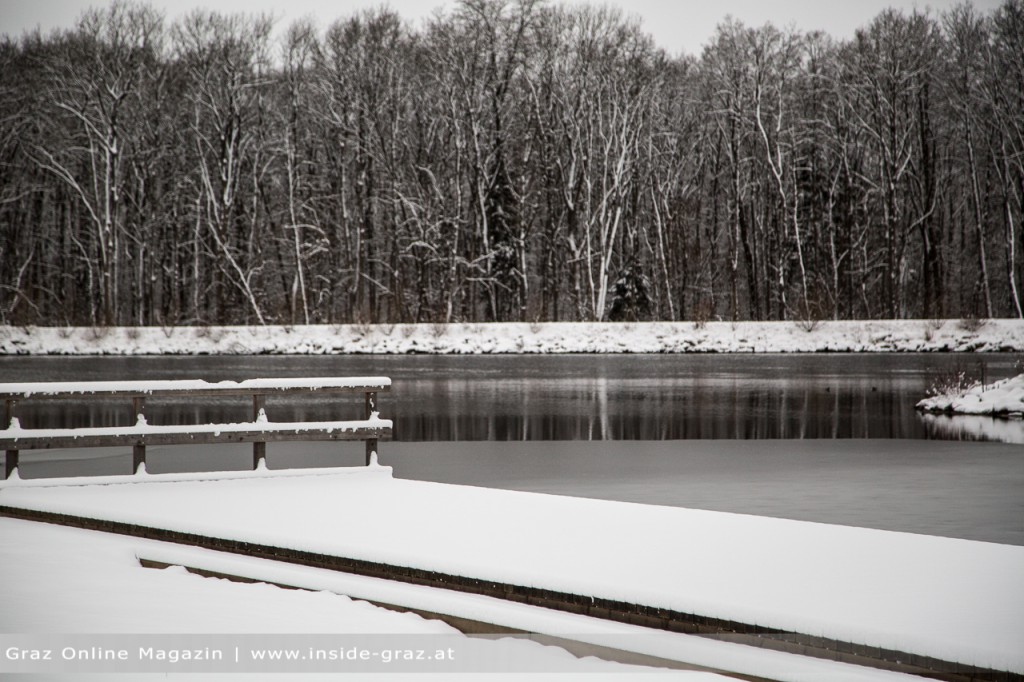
[(677, 25)]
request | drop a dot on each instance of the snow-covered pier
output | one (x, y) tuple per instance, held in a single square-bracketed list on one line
[(904, 602)]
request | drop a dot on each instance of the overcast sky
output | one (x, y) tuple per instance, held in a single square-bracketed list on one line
[(677, 25)]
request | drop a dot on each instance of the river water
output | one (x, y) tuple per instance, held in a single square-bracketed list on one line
[(830, 438), (567, 397)]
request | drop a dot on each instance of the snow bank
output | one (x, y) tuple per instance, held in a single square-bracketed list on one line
[(952, 599), (561, 337), (1003, 398)]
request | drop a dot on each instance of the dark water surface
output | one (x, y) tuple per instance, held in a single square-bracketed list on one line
[(957, 489), (826, 438), (564, 397)]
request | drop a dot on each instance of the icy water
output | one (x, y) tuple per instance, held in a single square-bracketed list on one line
[(571, 397), (828, 438)]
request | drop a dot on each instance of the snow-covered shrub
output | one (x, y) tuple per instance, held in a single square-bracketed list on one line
[(1003, 398), (956, 380), (703, 310), (952, 383), (932, 326), (972, 324), (98, 333)]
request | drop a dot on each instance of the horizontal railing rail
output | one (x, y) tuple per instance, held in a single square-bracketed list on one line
[(259, 432), (191, 387)]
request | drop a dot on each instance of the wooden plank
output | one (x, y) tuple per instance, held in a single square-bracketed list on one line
[(188, 387), (259, 448), (11, 456), (138, 451), (371, 443), (208, 434)]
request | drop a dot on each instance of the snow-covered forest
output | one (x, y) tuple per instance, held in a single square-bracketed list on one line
[(509, 161)]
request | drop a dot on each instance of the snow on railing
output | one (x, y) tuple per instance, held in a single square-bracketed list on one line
[(259, 431), (58, 389)]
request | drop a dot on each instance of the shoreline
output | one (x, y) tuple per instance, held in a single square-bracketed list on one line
[(867, 336)]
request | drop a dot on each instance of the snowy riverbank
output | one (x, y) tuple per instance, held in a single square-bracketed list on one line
[(554, 337), (1003, 398)]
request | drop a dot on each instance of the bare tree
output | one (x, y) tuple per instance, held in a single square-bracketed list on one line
[(509, 160), (95, 83), (1005, 92), (225, 58)]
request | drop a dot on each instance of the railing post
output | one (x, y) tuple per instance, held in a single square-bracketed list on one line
[(11, 458), (371, 443), (259, 448), (138, 450)]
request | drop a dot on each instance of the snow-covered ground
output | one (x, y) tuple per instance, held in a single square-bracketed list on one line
[(1001, 398), (561, 337), (83, 582), (952, 599), (106, 591), (893, 590)]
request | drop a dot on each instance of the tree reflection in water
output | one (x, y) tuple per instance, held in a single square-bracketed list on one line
[(568, 397)]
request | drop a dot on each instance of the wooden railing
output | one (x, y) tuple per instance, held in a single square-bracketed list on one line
[(259, 431)]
